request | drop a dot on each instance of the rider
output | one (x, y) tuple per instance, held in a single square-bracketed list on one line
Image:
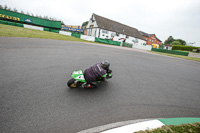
[(98, 72)]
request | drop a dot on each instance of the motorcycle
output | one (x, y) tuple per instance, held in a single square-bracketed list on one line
[(78, 79)]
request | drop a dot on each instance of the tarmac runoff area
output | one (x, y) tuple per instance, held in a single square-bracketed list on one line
[(138, 125)]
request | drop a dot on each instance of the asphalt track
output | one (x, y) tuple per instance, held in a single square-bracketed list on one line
[(34, 96)]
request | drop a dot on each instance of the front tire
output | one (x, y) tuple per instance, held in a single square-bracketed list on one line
[(71, 83)]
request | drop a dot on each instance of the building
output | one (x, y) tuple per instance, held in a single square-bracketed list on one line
[(168, 47), (104, 28), (151, 38)]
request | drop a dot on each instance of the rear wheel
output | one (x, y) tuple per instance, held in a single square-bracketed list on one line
[(71, 83)]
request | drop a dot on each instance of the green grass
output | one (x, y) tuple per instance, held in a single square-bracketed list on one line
[(187, 51), (13, 31), (178, 56), (184, 128)]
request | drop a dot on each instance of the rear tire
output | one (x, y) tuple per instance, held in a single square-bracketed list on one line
[(71, 83)]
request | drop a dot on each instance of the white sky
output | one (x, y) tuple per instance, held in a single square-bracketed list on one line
[(178, 18)]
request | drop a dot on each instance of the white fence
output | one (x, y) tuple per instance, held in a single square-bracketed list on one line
[(33, 27), (147, 47), (88, 38), (65, 33)]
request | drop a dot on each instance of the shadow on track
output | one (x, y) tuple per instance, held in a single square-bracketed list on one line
[(100, 88)]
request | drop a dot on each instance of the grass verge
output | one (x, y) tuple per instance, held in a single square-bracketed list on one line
[(13, 31), (184, 128), (178, 56)]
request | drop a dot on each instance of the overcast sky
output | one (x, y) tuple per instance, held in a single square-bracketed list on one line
[(177, 18)]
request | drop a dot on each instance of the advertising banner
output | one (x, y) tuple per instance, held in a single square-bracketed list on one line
[(9, 17), (33, 27), (72, 29), (28, 20), (65, 33)]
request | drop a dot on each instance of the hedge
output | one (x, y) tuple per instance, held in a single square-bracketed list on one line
[(185, 48), (170, 51)]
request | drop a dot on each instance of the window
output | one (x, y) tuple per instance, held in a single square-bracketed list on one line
[(113, 35), (105, 31), (91, 26)]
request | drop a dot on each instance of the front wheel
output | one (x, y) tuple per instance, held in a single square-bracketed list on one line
[(71, 83)]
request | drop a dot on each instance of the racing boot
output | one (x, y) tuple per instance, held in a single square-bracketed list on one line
[(87, 85)]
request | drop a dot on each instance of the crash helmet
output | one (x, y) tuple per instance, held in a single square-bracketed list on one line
[(105, 64)]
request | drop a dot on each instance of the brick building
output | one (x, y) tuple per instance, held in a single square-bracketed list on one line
[(151, 38)]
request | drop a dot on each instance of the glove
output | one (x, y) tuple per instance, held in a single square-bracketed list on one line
[(109, 71), (100, 80), (109, 74)]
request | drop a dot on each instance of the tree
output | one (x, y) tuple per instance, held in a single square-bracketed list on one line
[(84, 25), (9, 9), (173, 41), (62, 23), (28, 13), (176, 43), (22, 12), (169, 40), (15, 10), (161, 46), (6, 7), (1, 7), (181, 41), (45, 17)]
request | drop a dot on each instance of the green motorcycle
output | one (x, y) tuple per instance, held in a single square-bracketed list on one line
[(78, 80)]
